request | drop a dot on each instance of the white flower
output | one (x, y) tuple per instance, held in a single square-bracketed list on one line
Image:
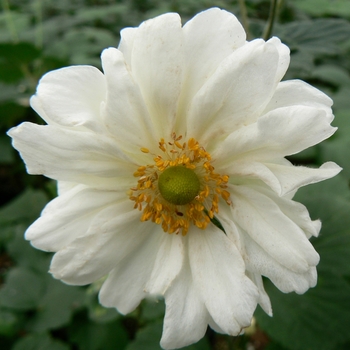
[(185, 124)]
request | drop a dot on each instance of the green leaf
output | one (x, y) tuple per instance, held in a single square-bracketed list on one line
[(88, 42), (24, 208), (203, 344), (8, 322), (6, 155), (8, 93), (18, 53), (336, 148), (23, 253), (23, 289), (94, 336), (20, 24), (97, 312), (39, 342), (57, 305), (332, 74), (319, 36), (13, 58), (152, 309), (341, 99), (148, 338), (324, 7), (107, 13), (318, 320)]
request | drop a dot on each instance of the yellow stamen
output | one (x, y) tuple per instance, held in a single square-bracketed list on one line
[(177, 218)]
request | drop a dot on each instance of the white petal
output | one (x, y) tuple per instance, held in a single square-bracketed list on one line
[(297, 92), (259, 261), (214, 326), (281, 132), (71, 97), (272, 230), (252, 170), (284, 58), (236, 93), (224, 216), (293, 177), (186, 317), (114, 233), (69, 216), (67, 155), (218, 274), (156, 65), (127, 36), (233, 233), (168, 262), (264, 300), (64, 186), (209, 37), (125, 285), (125, 113), (297, 212), (281, 177)]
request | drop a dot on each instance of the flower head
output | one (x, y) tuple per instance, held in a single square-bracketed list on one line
[(172, 173)]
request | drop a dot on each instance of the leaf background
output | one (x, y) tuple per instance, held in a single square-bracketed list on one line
[(38, 312)]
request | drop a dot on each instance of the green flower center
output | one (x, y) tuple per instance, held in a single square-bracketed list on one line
[(178, 185)]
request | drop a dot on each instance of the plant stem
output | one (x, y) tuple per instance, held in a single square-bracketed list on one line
[(39, 27), (244, 17), (272, 16)]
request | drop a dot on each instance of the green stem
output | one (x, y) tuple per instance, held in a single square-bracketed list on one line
[(39, 28), (10, 24), (32, 80), (244, 17), (272, 16)]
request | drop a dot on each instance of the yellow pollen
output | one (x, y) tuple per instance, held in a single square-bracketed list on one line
[(170, 208)]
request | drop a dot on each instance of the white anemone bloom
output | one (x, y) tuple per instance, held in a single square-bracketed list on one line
[(172, 173)]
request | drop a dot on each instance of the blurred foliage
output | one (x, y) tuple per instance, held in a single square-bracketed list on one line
[(38, 312)]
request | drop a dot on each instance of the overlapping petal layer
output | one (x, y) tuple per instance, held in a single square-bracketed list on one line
[(202, 81)]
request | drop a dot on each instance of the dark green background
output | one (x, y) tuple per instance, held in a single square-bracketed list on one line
[(38, 312)]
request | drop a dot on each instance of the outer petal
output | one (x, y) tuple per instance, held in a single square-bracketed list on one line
[(186, 317), (156, 64), (281, 132), (284, 58), (297, 92), (272, 230), (125, 285), (282, 178), (264, 300), (69, 216), (127, 37), (71, 97), (218, 274), (107, 241), (297, 212), (259, 261), (209, 37), (236, 93), (125, 113), (67, 155), (234, 234), (293, 177)]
